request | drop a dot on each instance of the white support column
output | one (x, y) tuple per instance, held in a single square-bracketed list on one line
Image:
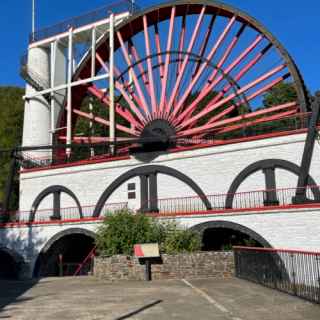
[(69, 102), (111, 83), (53, 48), (93, 52), (91, 124)]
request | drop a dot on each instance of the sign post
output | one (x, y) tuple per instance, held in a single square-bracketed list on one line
[(146, 252)]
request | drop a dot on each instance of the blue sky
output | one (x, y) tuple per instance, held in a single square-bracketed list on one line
[(295, 23)]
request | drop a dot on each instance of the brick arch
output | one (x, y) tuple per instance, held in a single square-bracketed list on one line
[(149, 170), (264, 165), (57, 189)]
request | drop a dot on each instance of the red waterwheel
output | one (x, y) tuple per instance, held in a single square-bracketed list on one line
[(186, 71)]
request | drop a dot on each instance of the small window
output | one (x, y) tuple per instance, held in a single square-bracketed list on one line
[(131, 195), (131, 186)]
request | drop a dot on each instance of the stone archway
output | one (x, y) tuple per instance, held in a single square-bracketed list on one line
[(73, 244), (212, 228)]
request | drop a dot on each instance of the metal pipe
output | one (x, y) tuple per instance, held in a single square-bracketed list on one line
[(52, 106), (111, 82), (69, 102)]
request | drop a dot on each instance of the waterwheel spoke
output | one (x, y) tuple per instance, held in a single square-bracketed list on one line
[(141, 96), (126, 96), (81, 140), (149, 65), (166, 64), (143, 73), (123, 112), (209, 108), (252, 96), (204, 65), (278, 116), (182, 37), (185, 61), (207, 89), (206, 127), (242, 72), (204, 44), (104, 122), (158, 47)]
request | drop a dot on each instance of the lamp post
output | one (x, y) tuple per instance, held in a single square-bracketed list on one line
[(33, 17)]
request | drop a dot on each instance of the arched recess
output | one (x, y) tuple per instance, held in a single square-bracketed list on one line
[(10, 263), (56, 191), (47, 260), (270, 266), (201, 228), (268, 167), (149, 173)]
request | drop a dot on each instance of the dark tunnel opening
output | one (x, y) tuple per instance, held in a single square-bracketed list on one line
[(8, 266), (223, 239), (64, 256)]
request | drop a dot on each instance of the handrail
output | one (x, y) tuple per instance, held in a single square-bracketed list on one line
[(89, 256), (87, 18), (242, 201)]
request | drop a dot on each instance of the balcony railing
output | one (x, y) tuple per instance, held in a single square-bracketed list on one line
[(260, 200), (83, 153), (88, 18), (293, 272), (67, 214)]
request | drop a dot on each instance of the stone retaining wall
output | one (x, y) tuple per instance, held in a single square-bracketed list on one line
[(194, 265)]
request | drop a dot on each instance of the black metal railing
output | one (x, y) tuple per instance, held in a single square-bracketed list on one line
[(83, 152), (289, 271), (258, 199), (242, 201), (88, 18)]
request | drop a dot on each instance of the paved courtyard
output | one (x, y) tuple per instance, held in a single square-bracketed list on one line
[(87, 298)]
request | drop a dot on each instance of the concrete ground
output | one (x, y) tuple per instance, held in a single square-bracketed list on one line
[(87, 298)]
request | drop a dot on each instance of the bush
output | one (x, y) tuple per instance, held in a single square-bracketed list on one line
[(177, 241), (121, 231)]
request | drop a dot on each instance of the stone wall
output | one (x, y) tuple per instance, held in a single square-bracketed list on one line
[(195, 265)]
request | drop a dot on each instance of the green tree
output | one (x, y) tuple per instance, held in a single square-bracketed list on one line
[(282, 93), (11, 123)]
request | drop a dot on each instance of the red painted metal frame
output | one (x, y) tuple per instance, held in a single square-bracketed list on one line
[(201, 145), (168, 215), (163, 90), (195, 212), (89, 256), (276, 250)]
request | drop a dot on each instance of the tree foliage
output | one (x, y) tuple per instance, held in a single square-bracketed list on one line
[(11, 123), (282, 93), (121, 231)]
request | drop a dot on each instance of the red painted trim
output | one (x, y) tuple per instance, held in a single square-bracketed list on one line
[(75, 164), (161, 215), (180, 149), (229, 211), (276, 250), (51, 222)]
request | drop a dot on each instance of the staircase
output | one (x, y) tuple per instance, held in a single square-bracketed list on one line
[(32, 77)]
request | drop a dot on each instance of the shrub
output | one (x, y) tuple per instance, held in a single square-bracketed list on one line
[(179, 241), (121, 231)]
